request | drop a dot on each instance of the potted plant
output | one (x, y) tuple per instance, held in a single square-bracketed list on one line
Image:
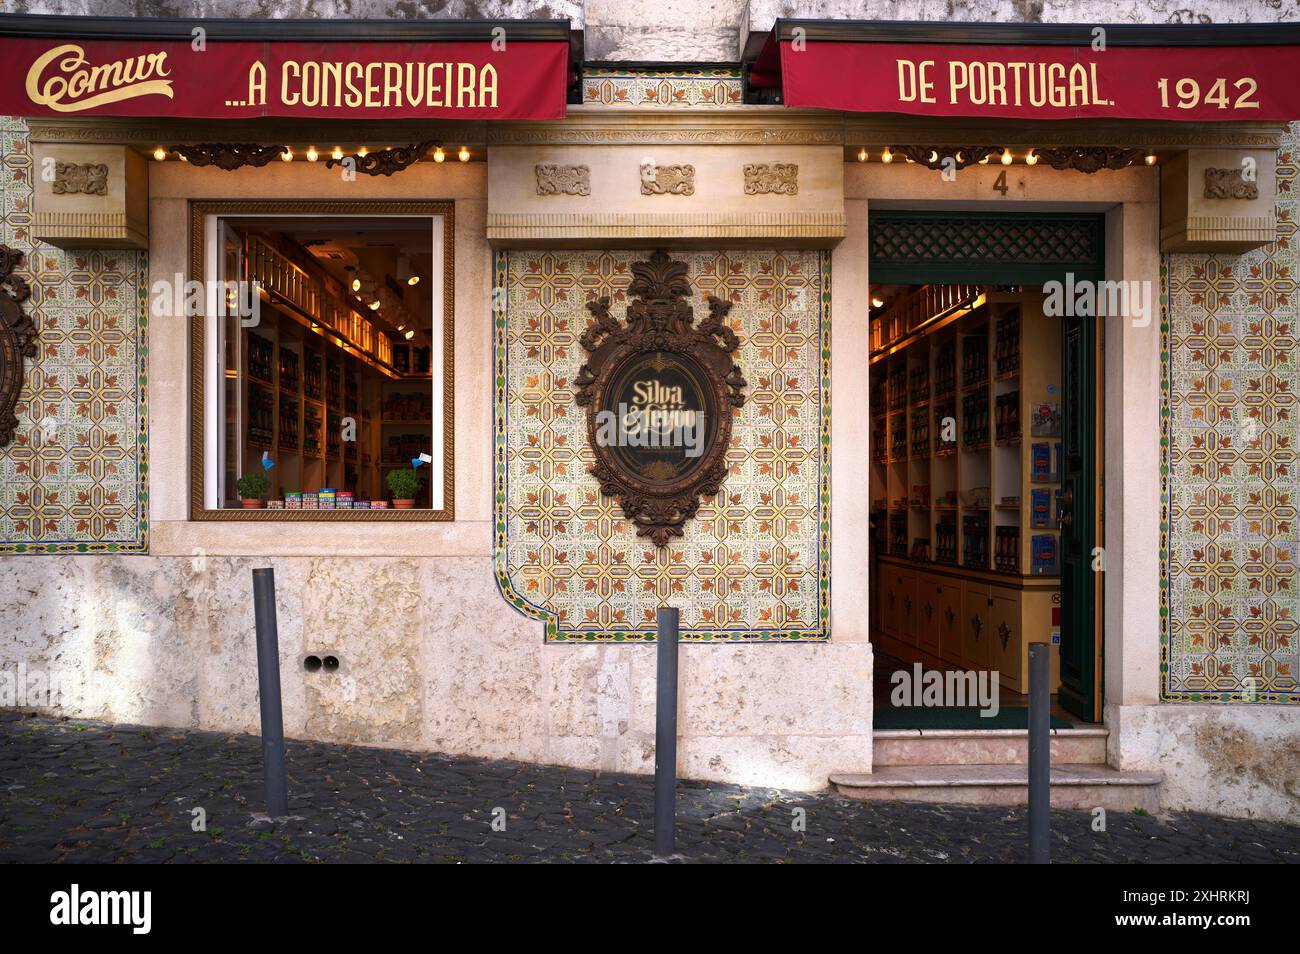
[(251, 489), (405, 484)]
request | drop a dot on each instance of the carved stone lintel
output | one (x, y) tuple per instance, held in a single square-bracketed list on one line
[(667, 180), (17, 340), (88, 178), (1229, 184), (660, 324), (553, 179), (771, 178), (228, 155), (385, 162), (1089, 159)]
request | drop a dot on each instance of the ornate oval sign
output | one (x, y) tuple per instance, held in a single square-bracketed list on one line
[(660, 393)]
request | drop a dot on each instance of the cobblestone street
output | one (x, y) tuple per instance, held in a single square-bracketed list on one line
[(86, 792)]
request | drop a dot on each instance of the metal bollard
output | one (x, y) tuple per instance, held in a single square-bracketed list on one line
[(667, 619), (268, 690), (1040, 755)]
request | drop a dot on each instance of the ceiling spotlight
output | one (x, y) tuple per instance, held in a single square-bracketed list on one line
[(410, 334), (877, 302), (886, 156), (356, 284), (439, 155), (413, 280), (374, 305), (463, 155), (160, 153)]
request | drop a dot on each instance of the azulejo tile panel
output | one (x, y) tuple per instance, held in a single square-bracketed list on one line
[(73, 478), (1229, 472), (666, 89), (754, 565)]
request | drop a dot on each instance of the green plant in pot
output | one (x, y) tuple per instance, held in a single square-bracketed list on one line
[(404, 484), (251, 489)]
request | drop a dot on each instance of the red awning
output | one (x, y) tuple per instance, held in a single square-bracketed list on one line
[(233, 70), (1167, 73)]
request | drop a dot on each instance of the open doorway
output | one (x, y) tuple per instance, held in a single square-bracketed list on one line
[(984, 479)]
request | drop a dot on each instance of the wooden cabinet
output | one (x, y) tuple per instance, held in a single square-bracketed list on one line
[(1006, 635), (929, 601), (976, 626), (949, 621)]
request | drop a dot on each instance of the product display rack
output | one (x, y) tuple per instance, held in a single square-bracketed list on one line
[(962, 575)]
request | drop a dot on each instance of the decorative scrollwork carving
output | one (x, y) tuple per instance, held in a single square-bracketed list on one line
[(771, 178), (1089, 159), (385, 162), (659, 496), (228, 155), (88, 178), (17, 339), (1229, 184), (667, 180), (553, 179)]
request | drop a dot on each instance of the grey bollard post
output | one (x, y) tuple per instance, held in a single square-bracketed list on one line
[(268, 690), (667, 619), (1040, 755)]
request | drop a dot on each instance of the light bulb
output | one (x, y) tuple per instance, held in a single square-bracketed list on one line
[(886, 156), (311, 153), (287, 155), (413, 280), (337, 153), (1031, 158), (410, 334), (463, 155), (362, 151), (356, 284), (160, 153), (439, 155), (877, 302), (1006, 157), (862, 154), (1151, 159)]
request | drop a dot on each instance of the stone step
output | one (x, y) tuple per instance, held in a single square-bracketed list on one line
[(1073, 786), (1083, 746)]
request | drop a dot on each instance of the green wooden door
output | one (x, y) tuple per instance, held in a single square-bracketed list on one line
[(1078, 515)]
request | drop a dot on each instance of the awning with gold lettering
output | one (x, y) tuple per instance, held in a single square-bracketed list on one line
[(222, 69), (1035, 71)]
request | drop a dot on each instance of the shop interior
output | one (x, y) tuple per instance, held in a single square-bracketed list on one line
[(965, 384), (329, 388)]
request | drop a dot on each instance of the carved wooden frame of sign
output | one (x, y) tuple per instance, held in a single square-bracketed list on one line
[(660, 323), (17, 340)]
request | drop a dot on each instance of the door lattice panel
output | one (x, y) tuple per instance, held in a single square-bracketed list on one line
[(919, 247)]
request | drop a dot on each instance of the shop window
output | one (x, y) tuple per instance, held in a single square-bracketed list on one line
[(325, 355)]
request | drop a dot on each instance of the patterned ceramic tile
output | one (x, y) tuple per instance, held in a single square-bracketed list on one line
[(73, 479), (667, 89), (1230, 478), (755, 563)]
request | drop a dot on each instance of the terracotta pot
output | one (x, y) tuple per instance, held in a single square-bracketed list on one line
[(255, 504), (403, 504)]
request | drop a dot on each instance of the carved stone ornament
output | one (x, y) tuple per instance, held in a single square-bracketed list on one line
[(384, 162), (667, 180), (17, 340), (88, 178), (660, 392), (228, 155), (1089, 159), (1229, 184), (771, 178), (554, 179)]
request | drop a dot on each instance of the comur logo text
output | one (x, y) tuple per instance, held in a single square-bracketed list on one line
[(76, 907)]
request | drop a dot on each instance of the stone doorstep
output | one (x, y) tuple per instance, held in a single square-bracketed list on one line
[(984, 746), (1074, 786)]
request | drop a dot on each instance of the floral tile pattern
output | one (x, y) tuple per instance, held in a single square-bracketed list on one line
[(73, 478), (693, 86), (1231, 481), (755, 562)]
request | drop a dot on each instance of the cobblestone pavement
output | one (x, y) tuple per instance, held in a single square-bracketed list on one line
[(87, 792)]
